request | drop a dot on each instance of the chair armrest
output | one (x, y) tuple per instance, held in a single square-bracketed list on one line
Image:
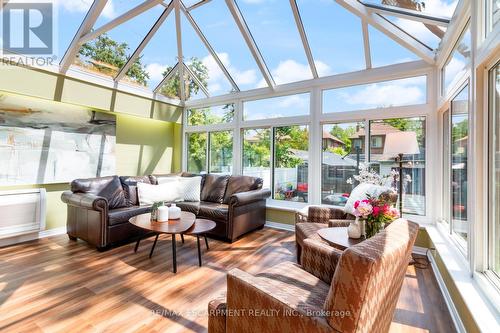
[(85, 200), (339, 223), (217, 315), (320, 259), (244, 198)]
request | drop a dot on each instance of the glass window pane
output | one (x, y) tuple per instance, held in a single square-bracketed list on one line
[(413, 166), (211, 115), (446, 166), (495, 172), (494, 13), (441, 8), (342, 152), (221, 152), (340, 50), (457, 63), (197, 152), (459, 160), (428, 34), (257, 154), (385, 51), (277, 107), (273, 27), (291, 155), (402, 92)]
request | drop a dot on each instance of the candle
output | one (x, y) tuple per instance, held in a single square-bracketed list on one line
[(162, 215)]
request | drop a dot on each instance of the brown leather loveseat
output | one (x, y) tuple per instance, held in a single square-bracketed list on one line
[(99, 208)]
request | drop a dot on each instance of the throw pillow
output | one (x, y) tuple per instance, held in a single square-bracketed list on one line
[(191, 187), (169, 192), (360, 193)]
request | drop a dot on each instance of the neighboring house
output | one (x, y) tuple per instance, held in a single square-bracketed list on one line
[(330, 141), (377, 138)]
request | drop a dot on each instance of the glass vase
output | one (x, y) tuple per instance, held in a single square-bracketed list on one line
[(372, 229)]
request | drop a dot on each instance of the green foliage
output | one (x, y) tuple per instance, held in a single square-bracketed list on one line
[(172, 87), (258, 153), (197, 143), (409, 124), (108, 56), (345, 135), (338, 151), (287, 139)]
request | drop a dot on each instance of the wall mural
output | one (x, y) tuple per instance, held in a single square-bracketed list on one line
[(43, 142)]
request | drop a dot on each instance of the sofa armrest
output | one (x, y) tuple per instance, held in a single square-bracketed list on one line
[(244, 198), (339, 223), (85, 200), (217, 315), (320, 259)]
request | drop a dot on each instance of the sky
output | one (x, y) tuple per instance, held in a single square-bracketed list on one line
[(334, 34)]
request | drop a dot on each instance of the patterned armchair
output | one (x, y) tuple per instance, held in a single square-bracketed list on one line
[(312, 218), (362, 296)]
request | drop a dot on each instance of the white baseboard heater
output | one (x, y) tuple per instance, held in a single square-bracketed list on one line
[(22, 212)]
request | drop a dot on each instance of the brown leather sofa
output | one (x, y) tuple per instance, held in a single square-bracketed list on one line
[(99, 208)]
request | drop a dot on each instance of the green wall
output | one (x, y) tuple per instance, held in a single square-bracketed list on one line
[(148, 132)]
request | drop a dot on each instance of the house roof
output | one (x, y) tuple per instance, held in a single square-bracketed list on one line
[(376, 129), (328, 135)]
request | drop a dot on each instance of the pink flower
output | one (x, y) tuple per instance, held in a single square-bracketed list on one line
[(356, 204), (364, 209), (376, 211), (394, 212)]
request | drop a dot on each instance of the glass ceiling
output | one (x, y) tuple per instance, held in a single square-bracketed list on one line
[(243, 44)]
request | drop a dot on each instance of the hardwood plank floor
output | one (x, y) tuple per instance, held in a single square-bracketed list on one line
[(57, 285)]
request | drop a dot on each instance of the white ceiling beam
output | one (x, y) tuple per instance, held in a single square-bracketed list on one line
[(407, 14), (388, 29), (123, 71), (167, 77), (198, 4), (119, 20), (366, 76), (366, 44), (197, 80), (180, 56), (209, 47), (247, 36), (87, 24), (303, 37)]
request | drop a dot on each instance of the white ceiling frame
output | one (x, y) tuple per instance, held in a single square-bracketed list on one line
[(407, 14), (119, 20), (366, 43), (198, 4), (180, 56), (247, 35), (87, 24), (209, 47), (167, 77), (390, 30), (123, 71), (303, 37), (197, 80)]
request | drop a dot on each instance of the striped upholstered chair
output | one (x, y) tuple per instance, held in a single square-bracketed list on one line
[(358, 294), (312, 218)]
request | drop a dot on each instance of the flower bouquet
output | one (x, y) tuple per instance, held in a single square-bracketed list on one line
[(375, 213)]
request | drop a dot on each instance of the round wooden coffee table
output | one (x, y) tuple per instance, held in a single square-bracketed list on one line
[(172, 227), (338, 238), (200, 228)]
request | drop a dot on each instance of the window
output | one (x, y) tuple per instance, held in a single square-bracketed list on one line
[(221, 152), (341, 155), (197, 152), (493, 13), (211, 115), (257, 154), (210, 152), (410, 91), (458, 165), (291, 155), (494, 228), (446, 166), (413, 166), (277, 107), (457, 63), (376, 141)]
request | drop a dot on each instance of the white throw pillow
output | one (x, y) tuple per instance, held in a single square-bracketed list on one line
[(169, 191), (360, 193), (191, 187)]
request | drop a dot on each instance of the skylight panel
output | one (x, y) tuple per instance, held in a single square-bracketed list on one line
[(273, 27), (218, 26), (385, 51), (428, 34), (439, 8), (335, 37)]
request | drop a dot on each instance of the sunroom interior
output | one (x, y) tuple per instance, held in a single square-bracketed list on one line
[(306, 96)]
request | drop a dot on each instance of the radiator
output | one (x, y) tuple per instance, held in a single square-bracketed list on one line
[(22, 212)]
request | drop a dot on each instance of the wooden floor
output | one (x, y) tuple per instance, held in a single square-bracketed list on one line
[(57, 285)]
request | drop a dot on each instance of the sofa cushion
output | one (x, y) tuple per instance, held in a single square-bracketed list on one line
[(169, 191), (237, 184), (192, 207), (213, 211), (191, 187), (154, 178), (107, 187), (129, 184), (122, 215), (214, 188)]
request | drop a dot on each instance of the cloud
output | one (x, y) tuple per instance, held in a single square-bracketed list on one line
[(297, 101), (82, 6), (453, 70), (155, 71), (292, 71)]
